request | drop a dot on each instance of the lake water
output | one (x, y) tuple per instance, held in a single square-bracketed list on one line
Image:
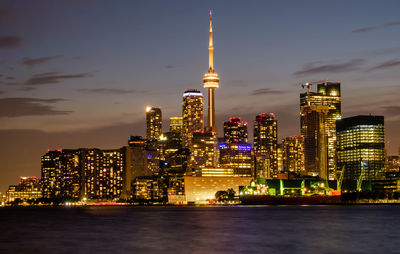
[(261, 229)]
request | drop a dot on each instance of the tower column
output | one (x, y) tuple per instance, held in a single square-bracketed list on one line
[(211, 110)]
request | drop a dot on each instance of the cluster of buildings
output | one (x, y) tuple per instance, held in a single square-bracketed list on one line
[(194, 160)]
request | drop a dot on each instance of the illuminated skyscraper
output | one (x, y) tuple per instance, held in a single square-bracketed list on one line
[(361, 147), (237, 156), (293, 154), (175, 124), (203, 149), (174, 136), (51, 171), (316, 140), (153, 123), (211, 81), (103, 172), (327, 95), (192, 115), (266, 141), (235, 131), (61, 174)]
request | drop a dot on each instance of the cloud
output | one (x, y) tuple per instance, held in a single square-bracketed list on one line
[(391, 110), (266, 91), (10, 78), (385, 51), (386, 65), (2, 92), (110, 91), (31, 62), (171, 66), (27, 88), (7, 14), (46, 74), (389, 24), (10, 42), (372, 28), (53, 79), (350, 65), (17, 107), (364, 29)]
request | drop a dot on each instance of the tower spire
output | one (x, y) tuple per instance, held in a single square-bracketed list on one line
[(210, 48), (211, 81)]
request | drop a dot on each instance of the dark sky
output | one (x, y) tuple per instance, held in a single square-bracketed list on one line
[(77, 73)]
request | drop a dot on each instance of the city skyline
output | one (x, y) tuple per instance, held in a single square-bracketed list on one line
[(56, 122)]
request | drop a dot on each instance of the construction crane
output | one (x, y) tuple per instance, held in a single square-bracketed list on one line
[(308, 85)]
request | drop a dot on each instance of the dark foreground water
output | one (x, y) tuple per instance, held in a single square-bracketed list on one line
[(268, 229)]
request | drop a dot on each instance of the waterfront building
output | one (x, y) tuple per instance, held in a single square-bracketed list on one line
[(203, 189), (51, 174), (141, 159), (266, 141), (235, 131), (60, 174), (315, 140), (361, 147), (318, 114), (149, 189), (153, 123), (238, 157), (293, 154), (192, 115), (28, 189), (103, 172)]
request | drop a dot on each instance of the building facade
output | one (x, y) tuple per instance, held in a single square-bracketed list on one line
[(153, 123), (235, 131), (28, 189), (203, 150), (266, 141), (293, 154), (361, 147), (316, 109), (192, 115), (238, 157)]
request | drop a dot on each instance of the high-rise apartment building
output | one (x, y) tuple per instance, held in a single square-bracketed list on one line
[(153, 123), (293, 154), (318, 113), (361, 147), (192, 115), (103, 172), (266, 141), (235, 131), (51, 174), (61, 174)]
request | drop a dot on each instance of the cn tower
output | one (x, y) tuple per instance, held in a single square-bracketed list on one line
[(211, 81)]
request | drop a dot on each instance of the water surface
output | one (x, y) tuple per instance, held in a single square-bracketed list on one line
[(261, 229)]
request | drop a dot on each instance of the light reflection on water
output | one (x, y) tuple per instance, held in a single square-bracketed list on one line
[(267, 229)]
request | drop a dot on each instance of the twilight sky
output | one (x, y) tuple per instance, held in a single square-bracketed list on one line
[(79, 73)]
